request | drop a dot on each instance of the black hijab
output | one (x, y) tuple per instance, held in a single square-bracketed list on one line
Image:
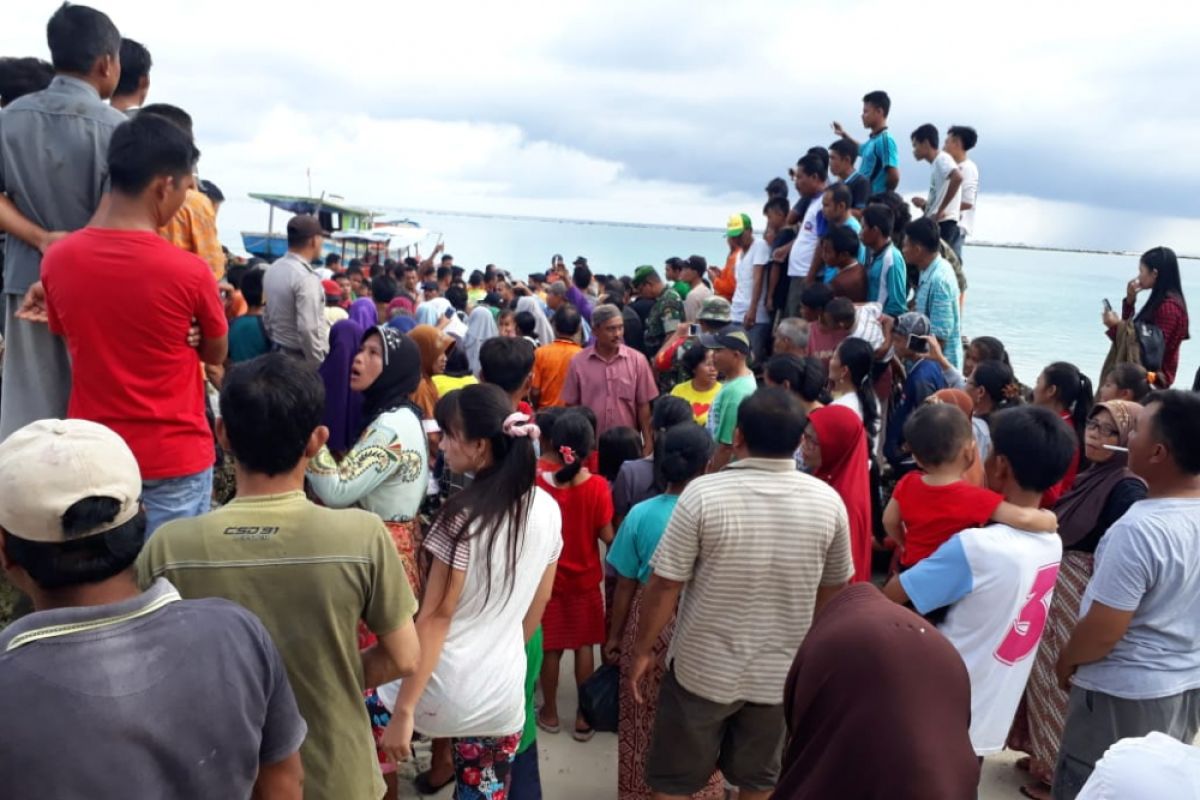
[(400, 377)]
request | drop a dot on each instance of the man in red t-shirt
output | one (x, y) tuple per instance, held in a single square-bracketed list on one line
[(125, 299)]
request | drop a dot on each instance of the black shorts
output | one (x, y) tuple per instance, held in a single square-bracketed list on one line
[(694, 736)]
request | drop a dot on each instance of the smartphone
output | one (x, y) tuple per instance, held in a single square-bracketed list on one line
[(1107, 305), (918, 344)]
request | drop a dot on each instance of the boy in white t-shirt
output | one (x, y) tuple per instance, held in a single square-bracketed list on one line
[(944, 203), (998, 580)]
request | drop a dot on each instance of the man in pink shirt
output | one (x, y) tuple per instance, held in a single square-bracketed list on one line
[(612, 379)]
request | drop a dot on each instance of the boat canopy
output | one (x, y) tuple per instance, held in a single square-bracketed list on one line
[(309, 205)]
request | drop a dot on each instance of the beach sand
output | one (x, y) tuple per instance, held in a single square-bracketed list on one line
[(589, 771)]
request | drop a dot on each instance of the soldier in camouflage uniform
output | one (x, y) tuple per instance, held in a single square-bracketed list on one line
[(668, 363), (667, 314)]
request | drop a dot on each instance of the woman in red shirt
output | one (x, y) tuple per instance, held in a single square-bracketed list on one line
[(574, 618), (1158, 271), (1066, 391)]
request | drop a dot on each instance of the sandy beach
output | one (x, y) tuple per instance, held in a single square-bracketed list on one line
[(589, 771)]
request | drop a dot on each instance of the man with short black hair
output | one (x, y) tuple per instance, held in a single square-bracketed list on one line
[(295, 315), (134, 85), (507, 362), (52, 176), (839, 249), (134, 684), (135, 372), (997, 580), (887, 274), (880, 155), (383, 292), (551, 360), (943, 203), (1133, 661), (810, 175), (667, 312), (22, 76), (937, 287), (757, 523), (310, 573), (692, 272), (842, 155), (581, 281), (960, 140)]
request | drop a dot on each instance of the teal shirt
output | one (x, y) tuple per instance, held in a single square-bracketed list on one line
[(722, 417), (887, 280), (247, 339), (638, 537)]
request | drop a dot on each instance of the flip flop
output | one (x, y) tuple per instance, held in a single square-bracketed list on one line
[(584, 735), (556, 728), (1043, 791), (423, 786)]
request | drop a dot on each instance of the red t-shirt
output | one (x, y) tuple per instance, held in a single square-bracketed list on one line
[(1051, 495), (823, 342), (124, 300), (932, 514), (586, 509)]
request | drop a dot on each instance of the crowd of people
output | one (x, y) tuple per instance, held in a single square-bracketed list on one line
[(289, 518)]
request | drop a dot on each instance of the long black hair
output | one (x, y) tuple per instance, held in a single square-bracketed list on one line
[(806, 377), (1074, 393), (573, 438), (668, 412), (990, 349), (497, 502), (858, 357), (998, 383), (1167, 283), (686, 450), (617, 445)]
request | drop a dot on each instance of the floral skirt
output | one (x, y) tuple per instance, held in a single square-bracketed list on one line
[(483, 766), (636, 722), (1041, 717)]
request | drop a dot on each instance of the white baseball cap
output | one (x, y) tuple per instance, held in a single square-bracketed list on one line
[(1154, 767), (50, 465)]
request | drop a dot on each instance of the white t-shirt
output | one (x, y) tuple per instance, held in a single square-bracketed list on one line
[(939, 184), (758, 255), (478, 685), (999, 581), (806, 242), (969, 191)]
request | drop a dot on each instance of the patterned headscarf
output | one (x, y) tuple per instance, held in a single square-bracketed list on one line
[(1080, 508), (400, 377)]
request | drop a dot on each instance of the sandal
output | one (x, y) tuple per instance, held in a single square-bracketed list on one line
[(423, 786), (584, 735), (547, 727), (1036, 791)]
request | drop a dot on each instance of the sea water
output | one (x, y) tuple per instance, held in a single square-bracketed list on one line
[(1044, 305)]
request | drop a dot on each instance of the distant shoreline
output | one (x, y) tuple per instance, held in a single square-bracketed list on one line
[(706, 229)]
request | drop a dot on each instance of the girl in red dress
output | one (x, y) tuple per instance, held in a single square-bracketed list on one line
[(574, 618)]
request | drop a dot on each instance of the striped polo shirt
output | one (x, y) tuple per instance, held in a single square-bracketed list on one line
[(753, 543)]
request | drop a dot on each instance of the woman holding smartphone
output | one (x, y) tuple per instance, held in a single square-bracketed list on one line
[(1166, 308)]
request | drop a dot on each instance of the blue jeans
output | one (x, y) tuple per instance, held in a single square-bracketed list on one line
[(176, 498), (760, 337)]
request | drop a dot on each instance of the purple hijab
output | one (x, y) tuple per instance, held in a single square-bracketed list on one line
[(343, 407), (363, 312)]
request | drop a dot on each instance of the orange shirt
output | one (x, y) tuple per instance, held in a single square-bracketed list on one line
[(194, 229), (550, 362), (726, 282)]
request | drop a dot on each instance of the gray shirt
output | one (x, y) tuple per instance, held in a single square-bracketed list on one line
[(53, 165), (295, 311), (150, 697), (1149, 563)]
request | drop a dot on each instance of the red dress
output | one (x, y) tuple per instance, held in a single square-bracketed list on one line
[(575, 614)]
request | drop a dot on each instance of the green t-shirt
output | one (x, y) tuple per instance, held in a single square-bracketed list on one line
[(309, 573), (722, 418), (533, 669)]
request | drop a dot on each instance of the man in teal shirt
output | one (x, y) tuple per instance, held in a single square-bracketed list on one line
[(731, 351), (887, 273)]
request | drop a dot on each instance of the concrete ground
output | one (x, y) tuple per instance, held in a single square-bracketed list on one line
[(575, 771)]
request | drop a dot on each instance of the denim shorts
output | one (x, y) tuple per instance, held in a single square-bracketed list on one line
[(176, 498)]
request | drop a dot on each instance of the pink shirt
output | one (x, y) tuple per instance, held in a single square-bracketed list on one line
[(613, 389)]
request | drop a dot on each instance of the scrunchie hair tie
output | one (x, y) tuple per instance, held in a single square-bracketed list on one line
[(568, 455), (1152, 378), (519, 426)]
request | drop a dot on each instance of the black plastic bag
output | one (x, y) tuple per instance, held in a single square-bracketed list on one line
[(600, 698)]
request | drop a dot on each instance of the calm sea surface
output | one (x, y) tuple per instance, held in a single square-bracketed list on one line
[(1045, 306)]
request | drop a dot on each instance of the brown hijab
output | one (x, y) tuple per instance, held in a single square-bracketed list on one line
[(432, 343), (1079, 509), (957, 397), (872, 671)]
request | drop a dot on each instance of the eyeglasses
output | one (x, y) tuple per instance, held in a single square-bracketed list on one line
[(1104, 430)]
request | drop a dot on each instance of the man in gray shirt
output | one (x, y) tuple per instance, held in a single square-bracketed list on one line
[(1133, 662), (137, 694), (53, 172), (295, 312)]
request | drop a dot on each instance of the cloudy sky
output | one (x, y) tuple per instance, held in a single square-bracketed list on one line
[(679, 113)]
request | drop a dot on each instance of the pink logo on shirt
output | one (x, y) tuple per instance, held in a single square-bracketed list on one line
[(1026, 631)]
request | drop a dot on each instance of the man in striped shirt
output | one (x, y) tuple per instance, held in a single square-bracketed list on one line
[(760, 547)]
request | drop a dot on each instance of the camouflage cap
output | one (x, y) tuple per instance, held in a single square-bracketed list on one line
[(716, 309)]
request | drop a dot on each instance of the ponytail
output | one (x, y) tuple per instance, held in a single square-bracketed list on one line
[(998, 383), (668, 411), (573, 440), (1074, 392), (858, 358)]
